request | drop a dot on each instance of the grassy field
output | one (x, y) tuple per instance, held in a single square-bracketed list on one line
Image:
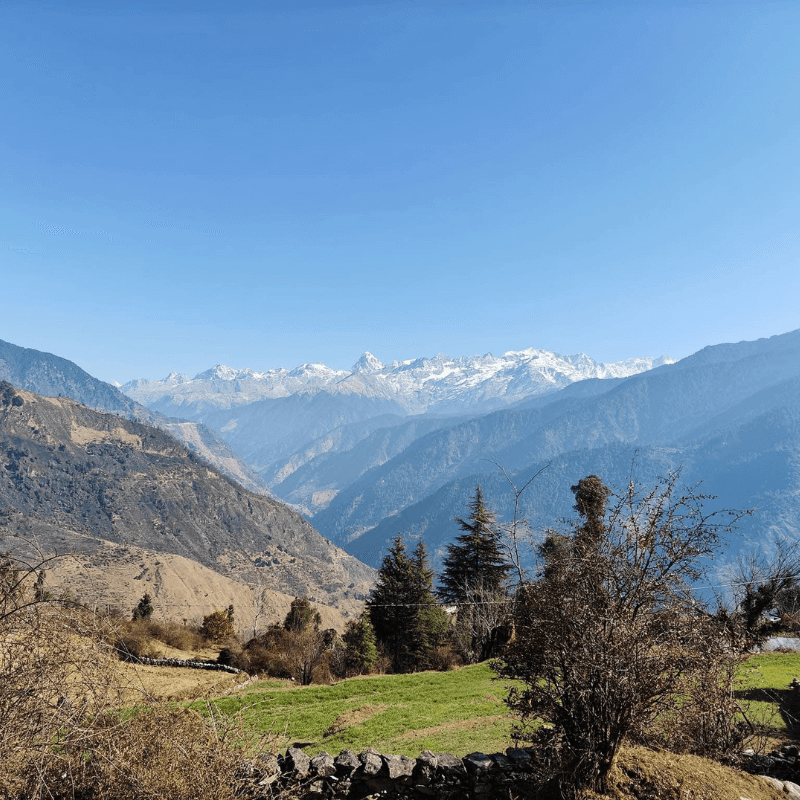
[(456, 712), (763, 687)]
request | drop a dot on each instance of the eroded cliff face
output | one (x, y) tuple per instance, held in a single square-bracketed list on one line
[(65, 469)]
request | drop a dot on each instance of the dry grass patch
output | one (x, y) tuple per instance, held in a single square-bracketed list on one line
[(461, 725), (140, 681), (649, 775), (353, 717)]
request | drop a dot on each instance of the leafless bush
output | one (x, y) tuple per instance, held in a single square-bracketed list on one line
[(610, 640), (55, 674), (61, 735), (133, 639), (158, 752), (307, 656)]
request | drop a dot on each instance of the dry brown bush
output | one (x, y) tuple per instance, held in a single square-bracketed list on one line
[(55, 674), (131, 644), (159, 752), (61, 737), (304, 655), (137, 637)]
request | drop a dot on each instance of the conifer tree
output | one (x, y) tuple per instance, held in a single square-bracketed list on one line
[(474, 579), (144, 609), (361, 652), (475, 561), (407, 620)]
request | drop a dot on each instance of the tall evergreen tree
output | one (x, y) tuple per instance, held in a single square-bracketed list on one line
[(403, 610), (475, 561), (361, 653), (474, 579)]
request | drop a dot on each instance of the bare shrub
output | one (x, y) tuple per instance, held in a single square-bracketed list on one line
[(706, 720), (61, 737), (304, 655), (55, 674), (611, 641), (132, 643), (181, 637), (158, 752)]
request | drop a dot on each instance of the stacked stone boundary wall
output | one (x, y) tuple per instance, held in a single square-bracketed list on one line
[(186, 662), (372, 774)]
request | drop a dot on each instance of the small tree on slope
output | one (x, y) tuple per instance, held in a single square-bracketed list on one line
[(408, 622), (360, 651)]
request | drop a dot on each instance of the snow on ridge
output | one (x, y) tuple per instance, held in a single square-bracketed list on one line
[(419, 384)]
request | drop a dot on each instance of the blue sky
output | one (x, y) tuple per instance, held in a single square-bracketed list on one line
[(265, 184)]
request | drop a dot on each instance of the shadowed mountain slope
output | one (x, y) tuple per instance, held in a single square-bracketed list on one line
[(728, 415)]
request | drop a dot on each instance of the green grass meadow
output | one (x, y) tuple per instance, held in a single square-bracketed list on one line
[(763, 685), (458, 712)]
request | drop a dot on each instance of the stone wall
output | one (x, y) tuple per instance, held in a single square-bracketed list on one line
[(361, 775), (185, 662)]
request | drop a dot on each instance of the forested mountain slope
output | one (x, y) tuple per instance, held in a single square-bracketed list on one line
[(728, 415)]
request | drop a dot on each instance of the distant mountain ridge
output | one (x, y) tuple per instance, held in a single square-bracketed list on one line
[(440, 384), (53, 376), (728, 416), (330, 426)]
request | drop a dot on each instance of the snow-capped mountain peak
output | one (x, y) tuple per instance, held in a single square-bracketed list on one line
[(219, 372), (440, 383), (367, 363), (174, 378)]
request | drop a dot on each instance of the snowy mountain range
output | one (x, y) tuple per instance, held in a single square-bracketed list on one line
[(440, 384), (290, 426), (727, 416)]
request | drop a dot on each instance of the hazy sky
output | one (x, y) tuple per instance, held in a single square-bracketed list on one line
[(266, 184)]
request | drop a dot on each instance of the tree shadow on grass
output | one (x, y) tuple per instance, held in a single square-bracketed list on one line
[(786, 702)]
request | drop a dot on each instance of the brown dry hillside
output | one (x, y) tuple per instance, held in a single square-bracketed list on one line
[(113, 576), (643, 774), (73, 480)]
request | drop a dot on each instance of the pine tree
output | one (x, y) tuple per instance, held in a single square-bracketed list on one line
[(474, 579), (475, 562), (403, 610), (361, 652), (144, 610)]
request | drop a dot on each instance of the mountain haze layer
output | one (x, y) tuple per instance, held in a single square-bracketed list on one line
[(440, 384), (728, 416), (309, 431)]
